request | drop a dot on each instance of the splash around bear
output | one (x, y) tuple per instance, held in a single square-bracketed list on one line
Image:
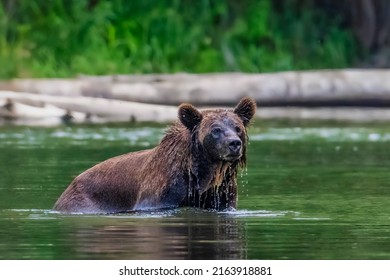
[(195, 165)]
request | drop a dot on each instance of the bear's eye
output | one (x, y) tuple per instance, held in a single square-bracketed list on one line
[(238, 129), (216, 132)]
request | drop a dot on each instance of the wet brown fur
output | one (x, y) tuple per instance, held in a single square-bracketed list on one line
[(177, 172)]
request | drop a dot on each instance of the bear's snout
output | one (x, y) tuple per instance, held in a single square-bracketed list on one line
[(235, 145), (232, 148)]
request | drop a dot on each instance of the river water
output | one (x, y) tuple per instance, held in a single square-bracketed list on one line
[(310, 191)]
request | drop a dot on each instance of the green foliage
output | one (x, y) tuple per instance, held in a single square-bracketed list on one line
[(60, 38)]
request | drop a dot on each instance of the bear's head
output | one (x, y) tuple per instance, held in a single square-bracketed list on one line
[(221, 133)]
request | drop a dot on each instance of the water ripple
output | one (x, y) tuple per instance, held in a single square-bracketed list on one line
[(328, 134)]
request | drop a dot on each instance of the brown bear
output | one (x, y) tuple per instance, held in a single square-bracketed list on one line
[(195, 165)]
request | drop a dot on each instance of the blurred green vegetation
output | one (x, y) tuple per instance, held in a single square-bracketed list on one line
[(64, 38)]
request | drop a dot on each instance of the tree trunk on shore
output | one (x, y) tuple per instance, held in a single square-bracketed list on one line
[(312, 88), (155, 97)]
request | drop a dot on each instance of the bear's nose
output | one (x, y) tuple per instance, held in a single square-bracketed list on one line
[(235, 145)]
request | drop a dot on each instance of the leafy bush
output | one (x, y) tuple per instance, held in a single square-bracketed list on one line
[(61, 38)]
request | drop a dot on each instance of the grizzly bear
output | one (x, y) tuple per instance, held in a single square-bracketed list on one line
[(195, 165)]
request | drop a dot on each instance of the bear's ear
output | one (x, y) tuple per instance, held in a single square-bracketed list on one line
[(189, 116), (246, 109)]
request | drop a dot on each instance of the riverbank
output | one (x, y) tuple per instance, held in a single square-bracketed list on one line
[(345, 95)]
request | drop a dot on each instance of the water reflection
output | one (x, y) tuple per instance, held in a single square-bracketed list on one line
[(187, 234), (326, 192)]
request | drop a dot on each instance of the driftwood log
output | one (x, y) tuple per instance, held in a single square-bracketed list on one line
[(362, 95)]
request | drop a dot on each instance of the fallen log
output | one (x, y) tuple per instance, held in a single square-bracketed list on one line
[(348, 87), (38, 109), (103, 109)]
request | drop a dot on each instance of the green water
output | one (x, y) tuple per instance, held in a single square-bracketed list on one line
[(310, 191)]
